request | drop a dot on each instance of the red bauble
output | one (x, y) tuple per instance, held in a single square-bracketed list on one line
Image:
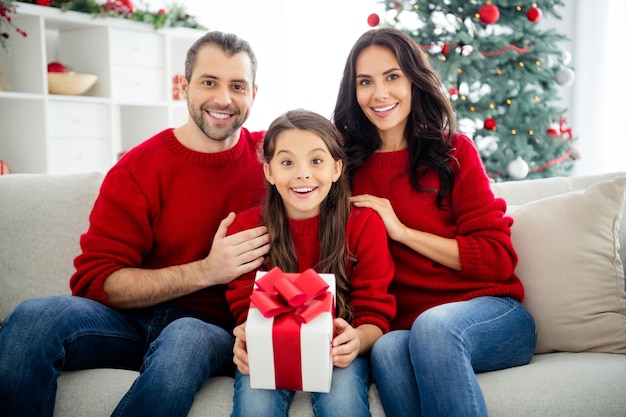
[(453, 91), (490, 124), (445, 49), (373, 20), (534, 14), (489, 13)]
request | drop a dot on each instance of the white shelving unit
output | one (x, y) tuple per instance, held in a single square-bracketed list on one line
[(132, 99)]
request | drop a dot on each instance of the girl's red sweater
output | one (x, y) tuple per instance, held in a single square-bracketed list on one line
[(476, 220), (161, 205), (370, 274)]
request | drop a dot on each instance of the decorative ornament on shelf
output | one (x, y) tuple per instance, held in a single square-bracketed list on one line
[(489, 13), (7, 9), (373, 20)]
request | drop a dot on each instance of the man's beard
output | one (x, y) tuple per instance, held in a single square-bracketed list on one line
[(216, 133)]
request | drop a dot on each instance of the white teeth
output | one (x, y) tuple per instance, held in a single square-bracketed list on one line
[(303, 190), (387, 108), (219, 115)]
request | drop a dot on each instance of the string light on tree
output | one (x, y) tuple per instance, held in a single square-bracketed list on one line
[(503, 73)]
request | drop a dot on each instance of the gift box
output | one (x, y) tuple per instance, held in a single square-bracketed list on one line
[(290, 330)]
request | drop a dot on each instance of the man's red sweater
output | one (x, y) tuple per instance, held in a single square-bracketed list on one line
[(369, 275), (161, 205), (476, 220)]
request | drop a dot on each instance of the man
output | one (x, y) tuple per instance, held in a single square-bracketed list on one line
[(148, 291)]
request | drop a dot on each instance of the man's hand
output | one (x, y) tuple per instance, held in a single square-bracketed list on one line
[(234, 255), (230, 257)]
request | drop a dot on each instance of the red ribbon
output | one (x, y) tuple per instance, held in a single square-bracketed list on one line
[(297, 294), (292, 299)]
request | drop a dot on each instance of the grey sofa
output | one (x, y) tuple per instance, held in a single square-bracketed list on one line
[(42, 217)]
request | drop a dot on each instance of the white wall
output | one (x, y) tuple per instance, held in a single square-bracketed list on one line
[(301, 46)]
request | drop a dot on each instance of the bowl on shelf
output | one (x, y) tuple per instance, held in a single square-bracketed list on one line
[(70, 83)]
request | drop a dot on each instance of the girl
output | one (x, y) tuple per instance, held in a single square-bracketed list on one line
[(459, 302), (311, 225)]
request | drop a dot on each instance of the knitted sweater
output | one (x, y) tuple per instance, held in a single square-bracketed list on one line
[(369, 275), (476, 220), (161, 205)]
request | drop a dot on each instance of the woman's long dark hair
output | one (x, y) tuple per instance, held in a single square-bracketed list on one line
[(431, 123), (334, 210)]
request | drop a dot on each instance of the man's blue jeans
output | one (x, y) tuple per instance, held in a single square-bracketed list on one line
[(430, 371), (347, 396), (175, 351)]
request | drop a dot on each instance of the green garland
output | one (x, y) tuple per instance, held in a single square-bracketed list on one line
[(173, 16)]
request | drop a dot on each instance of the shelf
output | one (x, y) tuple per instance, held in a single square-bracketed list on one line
[(130, 101)]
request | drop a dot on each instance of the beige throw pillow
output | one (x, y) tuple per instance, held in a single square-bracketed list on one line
[(569, 264)]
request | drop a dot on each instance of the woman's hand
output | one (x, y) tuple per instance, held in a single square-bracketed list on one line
[(240, 349), (382, 206), (438, 248)]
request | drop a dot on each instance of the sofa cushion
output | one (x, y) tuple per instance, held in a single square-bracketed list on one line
[(41, 219), (572, 273)]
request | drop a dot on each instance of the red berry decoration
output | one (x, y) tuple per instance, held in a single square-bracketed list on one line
[(489, 13), (534, 14), (490, 124), (373, 20)]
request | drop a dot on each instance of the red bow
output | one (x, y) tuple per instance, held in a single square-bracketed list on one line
[(304, 296)]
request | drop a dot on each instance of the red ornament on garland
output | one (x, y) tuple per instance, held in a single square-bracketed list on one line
[(445, 49), (534, 14), (373, 20), (489, 13), (490, 124)]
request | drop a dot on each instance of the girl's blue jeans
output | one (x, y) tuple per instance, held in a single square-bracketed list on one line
[(175, 351), (430, 370), (347, 396)]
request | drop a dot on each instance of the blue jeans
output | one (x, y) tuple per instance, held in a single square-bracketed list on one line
[(347, 396), (174, 352), (430, 371)]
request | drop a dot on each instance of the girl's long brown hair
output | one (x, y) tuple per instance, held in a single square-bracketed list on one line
[(334, 210)]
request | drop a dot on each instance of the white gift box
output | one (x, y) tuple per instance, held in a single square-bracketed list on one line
[(286, 354)]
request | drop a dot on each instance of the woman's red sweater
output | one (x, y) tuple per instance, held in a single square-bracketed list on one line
[(475, 219)]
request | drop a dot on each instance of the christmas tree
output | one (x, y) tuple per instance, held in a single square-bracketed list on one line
[(502, 72)]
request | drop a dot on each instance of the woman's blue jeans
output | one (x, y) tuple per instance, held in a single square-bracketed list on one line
[(175, 351), (430, 371), (347, 397)]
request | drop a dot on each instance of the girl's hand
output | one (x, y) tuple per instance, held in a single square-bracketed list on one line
[(382, 206), (240, 349), (346, 345)]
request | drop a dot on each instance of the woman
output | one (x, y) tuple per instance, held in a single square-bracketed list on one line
[(459, 305)]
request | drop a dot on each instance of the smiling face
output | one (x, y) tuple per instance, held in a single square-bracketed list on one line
[(303, 171), (220, 93), (383, 92)]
